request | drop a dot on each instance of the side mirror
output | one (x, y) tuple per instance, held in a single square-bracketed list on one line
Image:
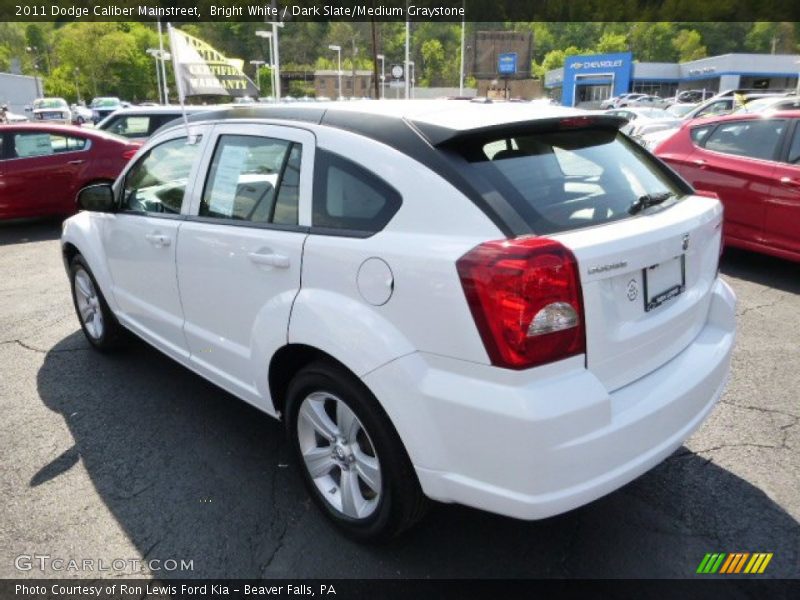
[(28, 109), (98, 198)]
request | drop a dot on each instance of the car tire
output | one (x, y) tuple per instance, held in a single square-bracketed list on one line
[(342, 440), (98, 323)]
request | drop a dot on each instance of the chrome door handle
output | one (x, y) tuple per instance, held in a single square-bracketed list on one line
[(273, 260), (699, 162), (158, 239), (76, 162)]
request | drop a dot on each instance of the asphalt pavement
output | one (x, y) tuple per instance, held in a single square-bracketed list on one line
[(132, 456)]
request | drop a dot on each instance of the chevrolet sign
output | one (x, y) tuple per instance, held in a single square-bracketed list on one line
[(597, 64)]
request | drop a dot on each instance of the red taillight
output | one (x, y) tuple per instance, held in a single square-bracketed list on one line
[(525, 297)]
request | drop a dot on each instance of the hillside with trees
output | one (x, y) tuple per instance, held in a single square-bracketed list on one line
[(111, 58)]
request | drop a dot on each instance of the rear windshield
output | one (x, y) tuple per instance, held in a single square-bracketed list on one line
[(563, 180)]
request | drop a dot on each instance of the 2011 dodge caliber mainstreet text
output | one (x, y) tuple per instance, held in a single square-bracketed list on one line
[(511, 308)]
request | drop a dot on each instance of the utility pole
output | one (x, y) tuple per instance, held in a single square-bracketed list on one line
[(375, 56), (355, 51), (408, 57)]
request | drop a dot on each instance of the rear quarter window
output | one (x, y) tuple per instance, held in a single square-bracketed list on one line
[(349, 198)]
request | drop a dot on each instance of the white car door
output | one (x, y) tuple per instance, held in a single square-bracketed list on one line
[(140, 241), (240, 249)]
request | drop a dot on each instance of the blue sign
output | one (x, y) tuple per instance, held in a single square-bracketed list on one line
[(613, 70), (507, 63)]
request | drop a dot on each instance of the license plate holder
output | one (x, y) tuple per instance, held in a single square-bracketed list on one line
[(663, 281)]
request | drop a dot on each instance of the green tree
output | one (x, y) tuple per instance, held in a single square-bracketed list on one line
[(611, 42), (689, 45), (433, 64), (652, 42)]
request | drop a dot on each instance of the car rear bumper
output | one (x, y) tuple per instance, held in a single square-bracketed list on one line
[(532, 445)]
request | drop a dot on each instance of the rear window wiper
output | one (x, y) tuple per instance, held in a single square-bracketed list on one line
[(649, 200)]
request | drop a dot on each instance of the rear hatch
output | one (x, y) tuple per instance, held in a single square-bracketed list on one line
[(647, 249)]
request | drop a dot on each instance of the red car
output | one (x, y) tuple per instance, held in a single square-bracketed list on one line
[(752, 162), (42, 167)]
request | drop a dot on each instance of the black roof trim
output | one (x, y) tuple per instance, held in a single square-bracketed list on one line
[(438, 135)]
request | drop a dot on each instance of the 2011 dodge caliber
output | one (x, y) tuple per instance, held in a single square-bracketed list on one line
[(510, 308)]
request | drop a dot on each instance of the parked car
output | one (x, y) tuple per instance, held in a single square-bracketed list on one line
[(639, 119), (648, 102), (627, 100), (693, 96), (615, 101), (104, 106), (681, 110), (81, 114), (140, 122), (752, 162), (339, 267), (770, 103), (42, 167), (51, 110), (721, 104)]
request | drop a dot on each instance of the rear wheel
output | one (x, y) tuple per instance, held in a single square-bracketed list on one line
[(97, 321), (352, 460)]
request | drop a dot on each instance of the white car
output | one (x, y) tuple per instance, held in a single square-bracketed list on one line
[(442, 300), (51, 110), (642, 120)]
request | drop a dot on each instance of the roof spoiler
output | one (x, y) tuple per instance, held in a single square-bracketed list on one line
[(438, 135)]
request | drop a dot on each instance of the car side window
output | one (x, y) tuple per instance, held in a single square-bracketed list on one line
[(31, 144), (348, 197), (253, 179), (157, 182), (699, 134), (752, 138), (794, 150), (131, 126)]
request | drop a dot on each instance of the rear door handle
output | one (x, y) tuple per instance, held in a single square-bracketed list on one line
[(699, 162), (790, 182), (272, 259), (76, 162), (158, 239)]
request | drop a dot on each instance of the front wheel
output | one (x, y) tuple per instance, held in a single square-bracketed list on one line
[(97, 321), (352, 460)]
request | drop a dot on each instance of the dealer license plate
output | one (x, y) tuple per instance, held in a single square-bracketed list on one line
[(663, 282)]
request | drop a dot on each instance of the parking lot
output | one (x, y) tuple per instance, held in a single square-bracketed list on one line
[(131, 456)]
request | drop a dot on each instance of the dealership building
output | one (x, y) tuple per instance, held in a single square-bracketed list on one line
[(589, 79)]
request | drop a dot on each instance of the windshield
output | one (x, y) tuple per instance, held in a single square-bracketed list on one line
[(564, 180), (49, 103), (105, 102)]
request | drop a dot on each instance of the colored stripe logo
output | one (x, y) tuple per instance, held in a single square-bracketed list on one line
[(736, 562)]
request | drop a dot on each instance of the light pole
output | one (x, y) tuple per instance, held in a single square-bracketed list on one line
[(461, 66), (268, 36), (154, 53), (163, 56), (408, 51), (382, 58), (77, 89), (258, 64), (338, 50), (33, 50)]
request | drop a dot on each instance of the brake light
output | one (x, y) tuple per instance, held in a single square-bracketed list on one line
[(130, 153), (525, 297)]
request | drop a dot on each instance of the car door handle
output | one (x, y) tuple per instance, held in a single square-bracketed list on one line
[(76, 162), (273, 260), (158, 239), (790, 182), (699, 162)]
